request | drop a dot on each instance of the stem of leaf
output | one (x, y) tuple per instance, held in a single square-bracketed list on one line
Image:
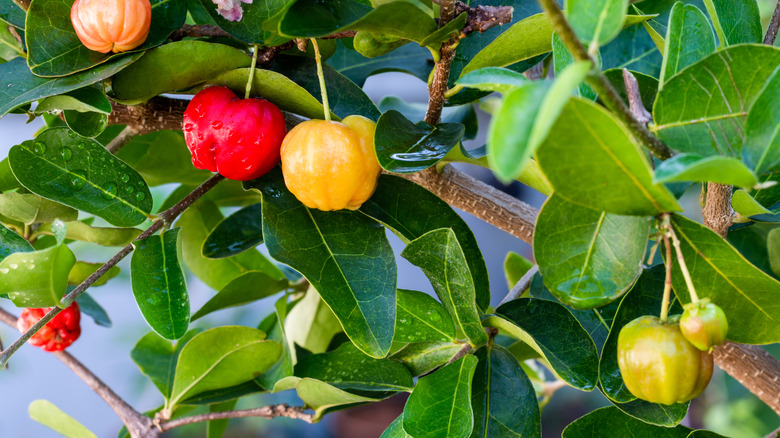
[(251, 72), (668, 280), (713, 13), (683, 266), (321, 76)]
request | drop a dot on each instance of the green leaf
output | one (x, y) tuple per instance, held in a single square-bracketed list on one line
[(419, 317), (7, 179), (159, 286), (396, 429), (311, 324), (348, 368), (747, 295), (162, 157), (46, 413), (89, 124), (19, 86), (220, 358), (55, 50), (322, 397), (562, 59), (619, 424), (258, 23), (410, 211), (36, 279), (552, 331), (463, 114), (197, 223), (244, 289), (87, 99), (753, 243), (503, 398), (643, 299), (216, 428), (344, 97), (175, 66), (29, 209), (689, 38), (444, 33), (515, 266), (409, 58), (596, 22), (709, 118), (344, 255), (692, 167), (11, 242), (157, 358), (403, 18), (103, 236), (736, 21), (600, 153), (82, 270), (90, 307), (601, 258), (274, 326), (275, 87), (440, 404), (423, 357), (81, 173), (761, 150), (498, 79), (773, 247), (404, 147), (438, 253), (12, 14), (236, 233)]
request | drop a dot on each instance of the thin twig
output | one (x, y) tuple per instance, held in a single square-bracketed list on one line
[(270, 411), (441, 71), (522, 284), (635, 104), (462, 352), (165, 217), (668, 279), (122, 139), (774, 24)]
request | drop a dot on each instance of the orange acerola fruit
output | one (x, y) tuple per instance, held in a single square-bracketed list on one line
[(111, 25)]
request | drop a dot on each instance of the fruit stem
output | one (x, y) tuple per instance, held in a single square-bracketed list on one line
[(251, 72), (668, 280), (321, 76), (683, 266)]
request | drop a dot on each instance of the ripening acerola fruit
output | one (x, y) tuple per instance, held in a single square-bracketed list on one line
[(58, 333), (111, 25)]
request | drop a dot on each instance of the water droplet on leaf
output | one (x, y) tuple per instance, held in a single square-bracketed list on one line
[(66, 153), (109, 191), (39, 148)]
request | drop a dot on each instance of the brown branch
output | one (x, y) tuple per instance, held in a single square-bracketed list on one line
[(482, 18), (717, 212), (754, 368), (198, 31), (270, 411), (635, 104), (522, 284), (441, 71), (167, 216), (774, 24)]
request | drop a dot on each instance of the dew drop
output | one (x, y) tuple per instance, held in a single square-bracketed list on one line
[(216, 124), (80, 146), (188, 127), (140, 196), (13, 266), (66, 153), (405, 321), (3, 270), (39, 148), (71, 134), (129, 189), (77, 182), (31, 266), (109, 191), (124, 178)]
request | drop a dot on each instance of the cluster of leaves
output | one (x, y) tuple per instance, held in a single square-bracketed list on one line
[(713, 96)]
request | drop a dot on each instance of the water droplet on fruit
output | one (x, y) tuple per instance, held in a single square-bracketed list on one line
[(140, 196), (188, 127), (109, 191), (66, 153), (231, 134), (200, 137), (39, 148), (216, 124), (124, 178)]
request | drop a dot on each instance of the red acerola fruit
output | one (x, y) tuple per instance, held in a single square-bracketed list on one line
[(237, 138), (58, 333)]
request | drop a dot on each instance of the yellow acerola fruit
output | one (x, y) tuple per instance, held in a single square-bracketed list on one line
[(331, 165), (111, 25)]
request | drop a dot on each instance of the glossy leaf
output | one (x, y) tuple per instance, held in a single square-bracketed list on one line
[(405, 147), (90, 307), (7, 179), (423, 357), (322, 397), (159, 286), (748, 296), (86, 124), (596, 22), (12, 14), (274, 326), (438, 253), (611, 419), (498, 79), (82, 270), (588, 258), (761, 150), (29, 209), (409, 58), (709, 118), (396, 429), (87, 99), (55, 50), (104, 236), (19, 86), (244, 289), (236, 233), (692, 167), (48, 414), (419, 317), (344, 255), (157, 358), (753, 243), (82, 174), (196, 223), (311, 324), (36, 279), (411, 211), (162, 157), (440, 404), (689, 38), (562, 59), (175, 66), (344, 97), (403, 18), (463, 114), (773, 250), (348, 368), (515, 266), (503, 398), (600, 154), (11, 242), (258, 22), (736, 21), (552, 331), (220, 358)]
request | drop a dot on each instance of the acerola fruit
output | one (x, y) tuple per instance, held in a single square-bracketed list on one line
[(658, 364), (237, 138), (111, 25), (58, 333), (331, 165), (704, 324)]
